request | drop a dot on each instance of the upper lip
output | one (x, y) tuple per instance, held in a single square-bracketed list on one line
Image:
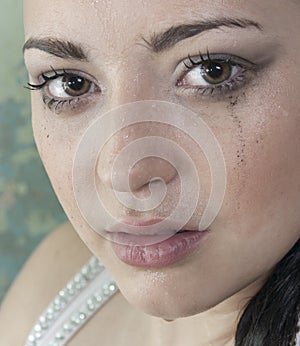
[(150, 227)]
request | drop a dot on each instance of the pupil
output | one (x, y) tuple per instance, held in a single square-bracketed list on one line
[(214, 70), (76, 83)]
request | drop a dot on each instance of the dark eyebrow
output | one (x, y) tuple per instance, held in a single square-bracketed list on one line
[(157, 42), (60, 48), (168, 38)]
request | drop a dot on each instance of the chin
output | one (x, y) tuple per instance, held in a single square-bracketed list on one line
[(171, 312), (167, 305)]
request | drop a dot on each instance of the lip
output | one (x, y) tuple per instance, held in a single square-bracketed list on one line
[(141, 222), (160, 253), (150, 227)]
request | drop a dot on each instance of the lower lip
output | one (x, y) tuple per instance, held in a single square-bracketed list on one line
[(162, 254)]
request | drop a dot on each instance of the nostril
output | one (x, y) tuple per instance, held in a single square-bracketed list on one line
[(150, 173), (149, 188)]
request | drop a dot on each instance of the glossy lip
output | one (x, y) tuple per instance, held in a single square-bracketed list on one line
[(161, 254), (142, 232), (150, 227)]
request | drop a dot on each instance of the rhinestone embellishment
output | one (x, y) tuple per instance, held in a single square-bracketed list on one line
[(57, 325)]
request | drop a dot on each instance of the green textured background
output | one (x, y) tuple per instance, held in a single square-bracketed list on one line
[(29, 209)]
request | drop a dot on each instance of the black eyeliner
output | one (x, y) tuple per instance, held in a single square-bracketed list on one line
[(46, 80)]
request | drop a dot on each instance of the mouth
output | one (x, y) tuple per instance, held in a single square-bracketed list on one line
[(155, 251), (145, 232), (153, 243)]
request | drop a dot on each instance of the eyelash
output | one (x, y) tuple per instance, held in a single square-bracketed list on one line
[(72, 103), (60, 105), (219, 89)]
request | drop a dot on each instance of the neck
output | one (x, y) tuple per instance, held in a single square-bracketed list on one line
[(215, 327)]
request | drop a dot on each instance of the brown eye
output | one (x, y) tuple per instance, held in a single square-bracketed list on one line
[(75, 85), (215, 72)]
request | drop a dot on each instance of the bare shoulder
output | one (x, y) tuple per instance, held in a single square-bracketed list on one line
[(57, 259)]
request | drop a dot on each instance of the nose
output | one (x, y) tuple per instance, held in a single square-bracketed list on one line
[(124, 165), (132, 84)]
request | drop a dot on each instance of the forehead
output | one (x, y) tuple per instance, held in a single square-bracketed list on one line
[(98, 17), (116, 25)]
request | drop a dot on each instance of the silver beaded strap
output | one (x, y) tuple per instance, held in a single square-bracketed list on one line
[(73, 306)]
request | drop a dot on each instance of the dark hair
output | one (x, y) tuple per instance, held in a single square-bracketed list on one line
[(271, 316)]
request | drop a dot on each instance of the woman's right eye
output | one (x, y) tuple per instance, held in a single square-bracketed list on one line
[(65, 90), (69, 86)]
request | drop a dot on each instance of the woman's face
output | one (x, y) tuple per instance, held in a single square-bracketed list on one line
[(242, 80)]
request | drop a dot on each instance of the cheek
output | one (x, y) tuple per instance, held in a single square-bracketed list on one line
[(263, 187), (56, 139)]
